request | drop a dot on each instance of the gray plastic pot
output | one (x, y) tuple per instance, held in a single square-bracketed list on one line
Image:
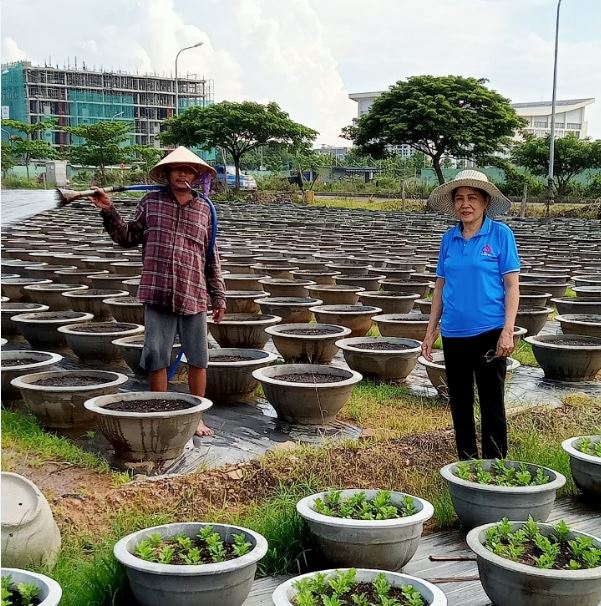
[(50, 590), (477, 504), (509, 583), (221, 584), (386, 544), (585, 468), (286, 592)]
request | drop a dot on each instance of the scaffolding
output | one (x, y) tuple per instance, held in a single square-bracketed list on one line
[(80, 96)]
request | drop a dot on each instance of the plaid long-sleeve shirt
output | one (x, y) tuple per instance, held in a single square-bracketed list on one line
[(174, 240)]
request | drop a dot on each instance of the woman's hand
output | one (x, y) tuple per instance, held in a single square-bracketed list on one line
[(100, 200), (427, 345), (505, 344)]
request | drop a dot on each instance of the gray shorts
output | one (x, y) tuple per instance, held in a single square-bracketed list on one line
[(162, 326)]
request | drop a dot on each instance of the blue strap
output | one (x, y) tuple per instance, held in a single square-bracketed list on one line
[(214, 227)]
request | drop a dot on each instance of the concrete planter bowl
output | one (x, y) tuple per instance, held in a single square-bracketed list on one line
[(283, 271), (126, 309), (13, 288), (586, 291), (130, 349), (10, 309), (291, 309), (40, 328), (405, 326), (580, 324), (92, 301), (585, 468), (336, 294), (243, 301), (437, 373), (285, 593), (243, 281), (79, 276), (533, 319), (51, 294), (389, 301), (30, 536), (132, 285), (410, 287), (50, 590), (245, 331), (369, 282), (567, 357), (356, 317), (307, 403), (316, 275), (94, 346), (579, 305), (221, 584), (509, 583), (229, 374), (534, 288), (283, 287), (46, 271), (424, 306), (382, 544), (109, 281), (147, 440), (61, 407), (394, 362), (477, 504), (307, 343), (534, 300), (15, 363)]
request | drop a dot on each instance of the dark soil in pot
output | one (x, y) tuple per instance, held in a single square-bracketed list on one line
[(309, 331), (381, 346), (309, 378), (104, 328), (149, 405), (20, 362), (229, 359), (68, 381)]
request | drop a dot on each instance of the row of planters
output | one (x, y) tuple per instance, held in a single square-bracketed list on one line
[(368, 536)]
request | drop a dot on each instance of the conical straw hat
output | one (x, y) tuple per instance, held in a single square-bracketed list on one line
[(441, 199), (180, 155)]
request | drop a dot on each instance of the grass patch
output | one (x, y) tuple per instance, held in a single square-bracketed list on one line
[(25, 437), (392, 411), (523, 354)]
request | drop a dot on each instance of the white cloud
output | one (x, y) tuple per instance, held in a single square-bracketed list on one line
[(11, 51)]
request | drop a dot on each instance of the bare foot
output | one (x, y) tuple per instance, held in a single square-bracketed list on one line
[(203, 431)]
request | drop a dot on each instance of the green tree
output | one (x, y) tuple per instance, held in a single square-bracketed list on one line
[(28, 144), (9, 158), (572, 156), (236, 127), (144, 155), (437, 115), (102, 144)]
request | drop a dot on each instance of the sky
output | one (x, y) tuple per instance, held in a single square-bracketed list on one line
[(308, 55)]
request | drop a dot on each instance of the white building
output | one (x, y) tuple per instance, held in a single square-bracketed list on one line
[(364, 102), (569, 117)]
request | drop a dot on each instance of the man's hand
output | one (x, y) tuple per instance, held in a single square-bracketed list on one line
[(505, 343), (100, 200), (427, 345), (218, 313)]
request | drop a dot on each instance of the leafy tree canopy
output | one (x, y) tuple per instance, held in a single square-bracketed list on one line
[(236, 127), (437, 115), (572, 156)]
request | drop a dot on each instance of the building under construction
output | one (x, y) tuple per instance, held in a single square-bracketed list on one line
[(81, 96)]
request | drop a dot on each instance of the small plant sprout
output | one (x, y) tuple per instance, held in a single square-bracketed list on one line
[(529, 545), (359, 507), (29, 592), (587, 446), (207, 547), (501, 473)]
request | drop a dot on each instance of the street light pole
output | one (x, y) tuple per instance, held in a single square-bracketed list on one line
[(550, 193), (176, 82)]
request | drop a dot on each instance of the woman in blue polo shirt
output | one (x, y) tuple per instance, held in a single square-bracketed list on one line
[(476, 298)]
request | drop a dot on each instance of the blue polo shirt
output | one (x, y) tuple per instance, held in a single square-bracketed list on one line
[(473, 296)]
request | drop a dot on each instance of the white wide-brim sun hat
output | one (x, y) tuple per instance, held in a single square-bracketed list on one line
[(180, 155), (441, 199)]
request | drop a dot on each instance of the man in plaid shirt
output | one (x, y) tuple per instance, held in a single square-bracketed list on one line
[(174, 227)]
